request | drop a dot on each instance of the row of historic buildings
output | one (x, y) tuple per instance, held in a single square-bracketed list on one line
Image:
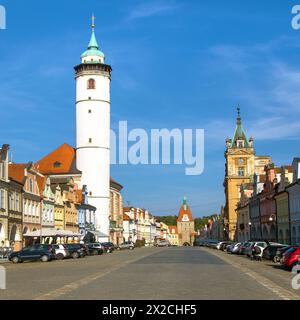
[(42, 201), (140, 224), (262, 201), (269, 206)]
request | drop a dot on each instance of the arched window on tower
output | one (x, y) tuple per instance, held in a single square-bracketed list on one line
[(91, 84)]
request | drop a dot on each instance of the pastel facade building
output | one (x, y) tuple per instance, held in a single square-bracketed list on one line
[(173, 236), (48, 202), (59, 208), (116, 213), (294, 203), (243, 214), (130, 224), (4, 190), (282, 205), (27, 175), (268, 213), (86, 216)]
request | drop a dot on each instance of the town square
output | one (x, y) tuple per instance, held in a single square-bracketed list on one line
[(146, 155)]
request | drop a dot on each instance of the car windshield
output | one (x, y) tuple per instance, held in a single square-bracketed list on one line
[(291, 250)]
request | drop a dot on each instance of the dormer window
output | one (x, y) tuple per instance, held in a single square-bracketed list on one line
[(240, 143), (91, 84), (57, 164)]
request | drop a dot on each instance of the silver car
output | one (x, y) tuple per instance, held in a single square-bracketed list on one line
[(126, 245), (163, 243)]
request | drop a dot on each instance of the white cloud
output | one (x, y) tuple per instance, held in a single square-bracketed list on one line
[(267, 84), (151, 9)]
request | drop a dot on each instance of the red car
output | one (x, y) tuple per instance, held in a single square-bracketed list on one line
[(290, 257)]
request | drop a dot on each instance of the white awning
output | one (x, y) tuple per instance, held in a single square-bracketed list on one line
[(51, 233), (99, 234)]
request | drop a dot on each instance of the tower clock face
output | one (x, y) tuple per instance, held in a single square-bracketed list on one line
[(185, 217)]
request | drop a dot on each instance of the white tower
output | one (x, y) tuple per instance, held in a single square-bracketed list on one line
[(93, 128)]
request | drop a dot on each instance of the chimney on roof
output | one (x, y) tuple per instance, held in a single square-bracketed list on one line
[(296, 169)]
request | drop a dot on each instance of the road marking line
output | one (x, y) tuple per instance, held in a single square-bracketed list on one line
[(77, 284), (270, 285)]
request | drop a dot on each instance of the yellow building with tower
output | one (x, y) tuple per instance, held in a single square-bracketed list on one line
[(241, 164)]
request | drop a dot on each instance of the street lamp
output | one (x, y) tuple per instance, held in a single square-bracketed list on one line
[(272, 218)]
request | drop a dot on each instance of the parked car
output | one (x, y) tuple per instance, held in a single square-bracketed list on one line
[(163, 243), (290, 257), (126, 245), (249, 249), (212, 244), (61, 251), (224, 245), (244, 246), (270, 251), (220, 244), (42, 252), (279, 254), (76, 250), (108, 247), (230, 247), (95, 248), (236, 248)]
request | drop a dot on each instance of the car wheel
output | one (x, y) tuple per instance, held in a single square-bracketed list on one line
[(44, 258), (59, 256), (75, 255), (15, 259)]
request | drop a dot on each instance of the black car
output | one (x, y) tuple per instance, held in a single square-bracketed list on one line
[(94, 248), (42, 252), (108, 247), (77, 250), (270, 251)]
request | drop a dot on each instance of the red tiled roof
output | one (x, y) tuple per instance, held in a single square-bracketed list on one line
[(289, 168), (62, 160), (126, 217), (16, 172), (171, 228), (59, 161), (182, 212)]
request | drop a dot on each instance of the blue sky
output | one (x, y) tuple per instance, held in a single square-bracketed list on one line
[(176, 64)]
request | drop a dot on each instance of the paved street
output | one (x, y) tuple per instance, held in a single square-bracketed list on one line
[(149, 273)]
